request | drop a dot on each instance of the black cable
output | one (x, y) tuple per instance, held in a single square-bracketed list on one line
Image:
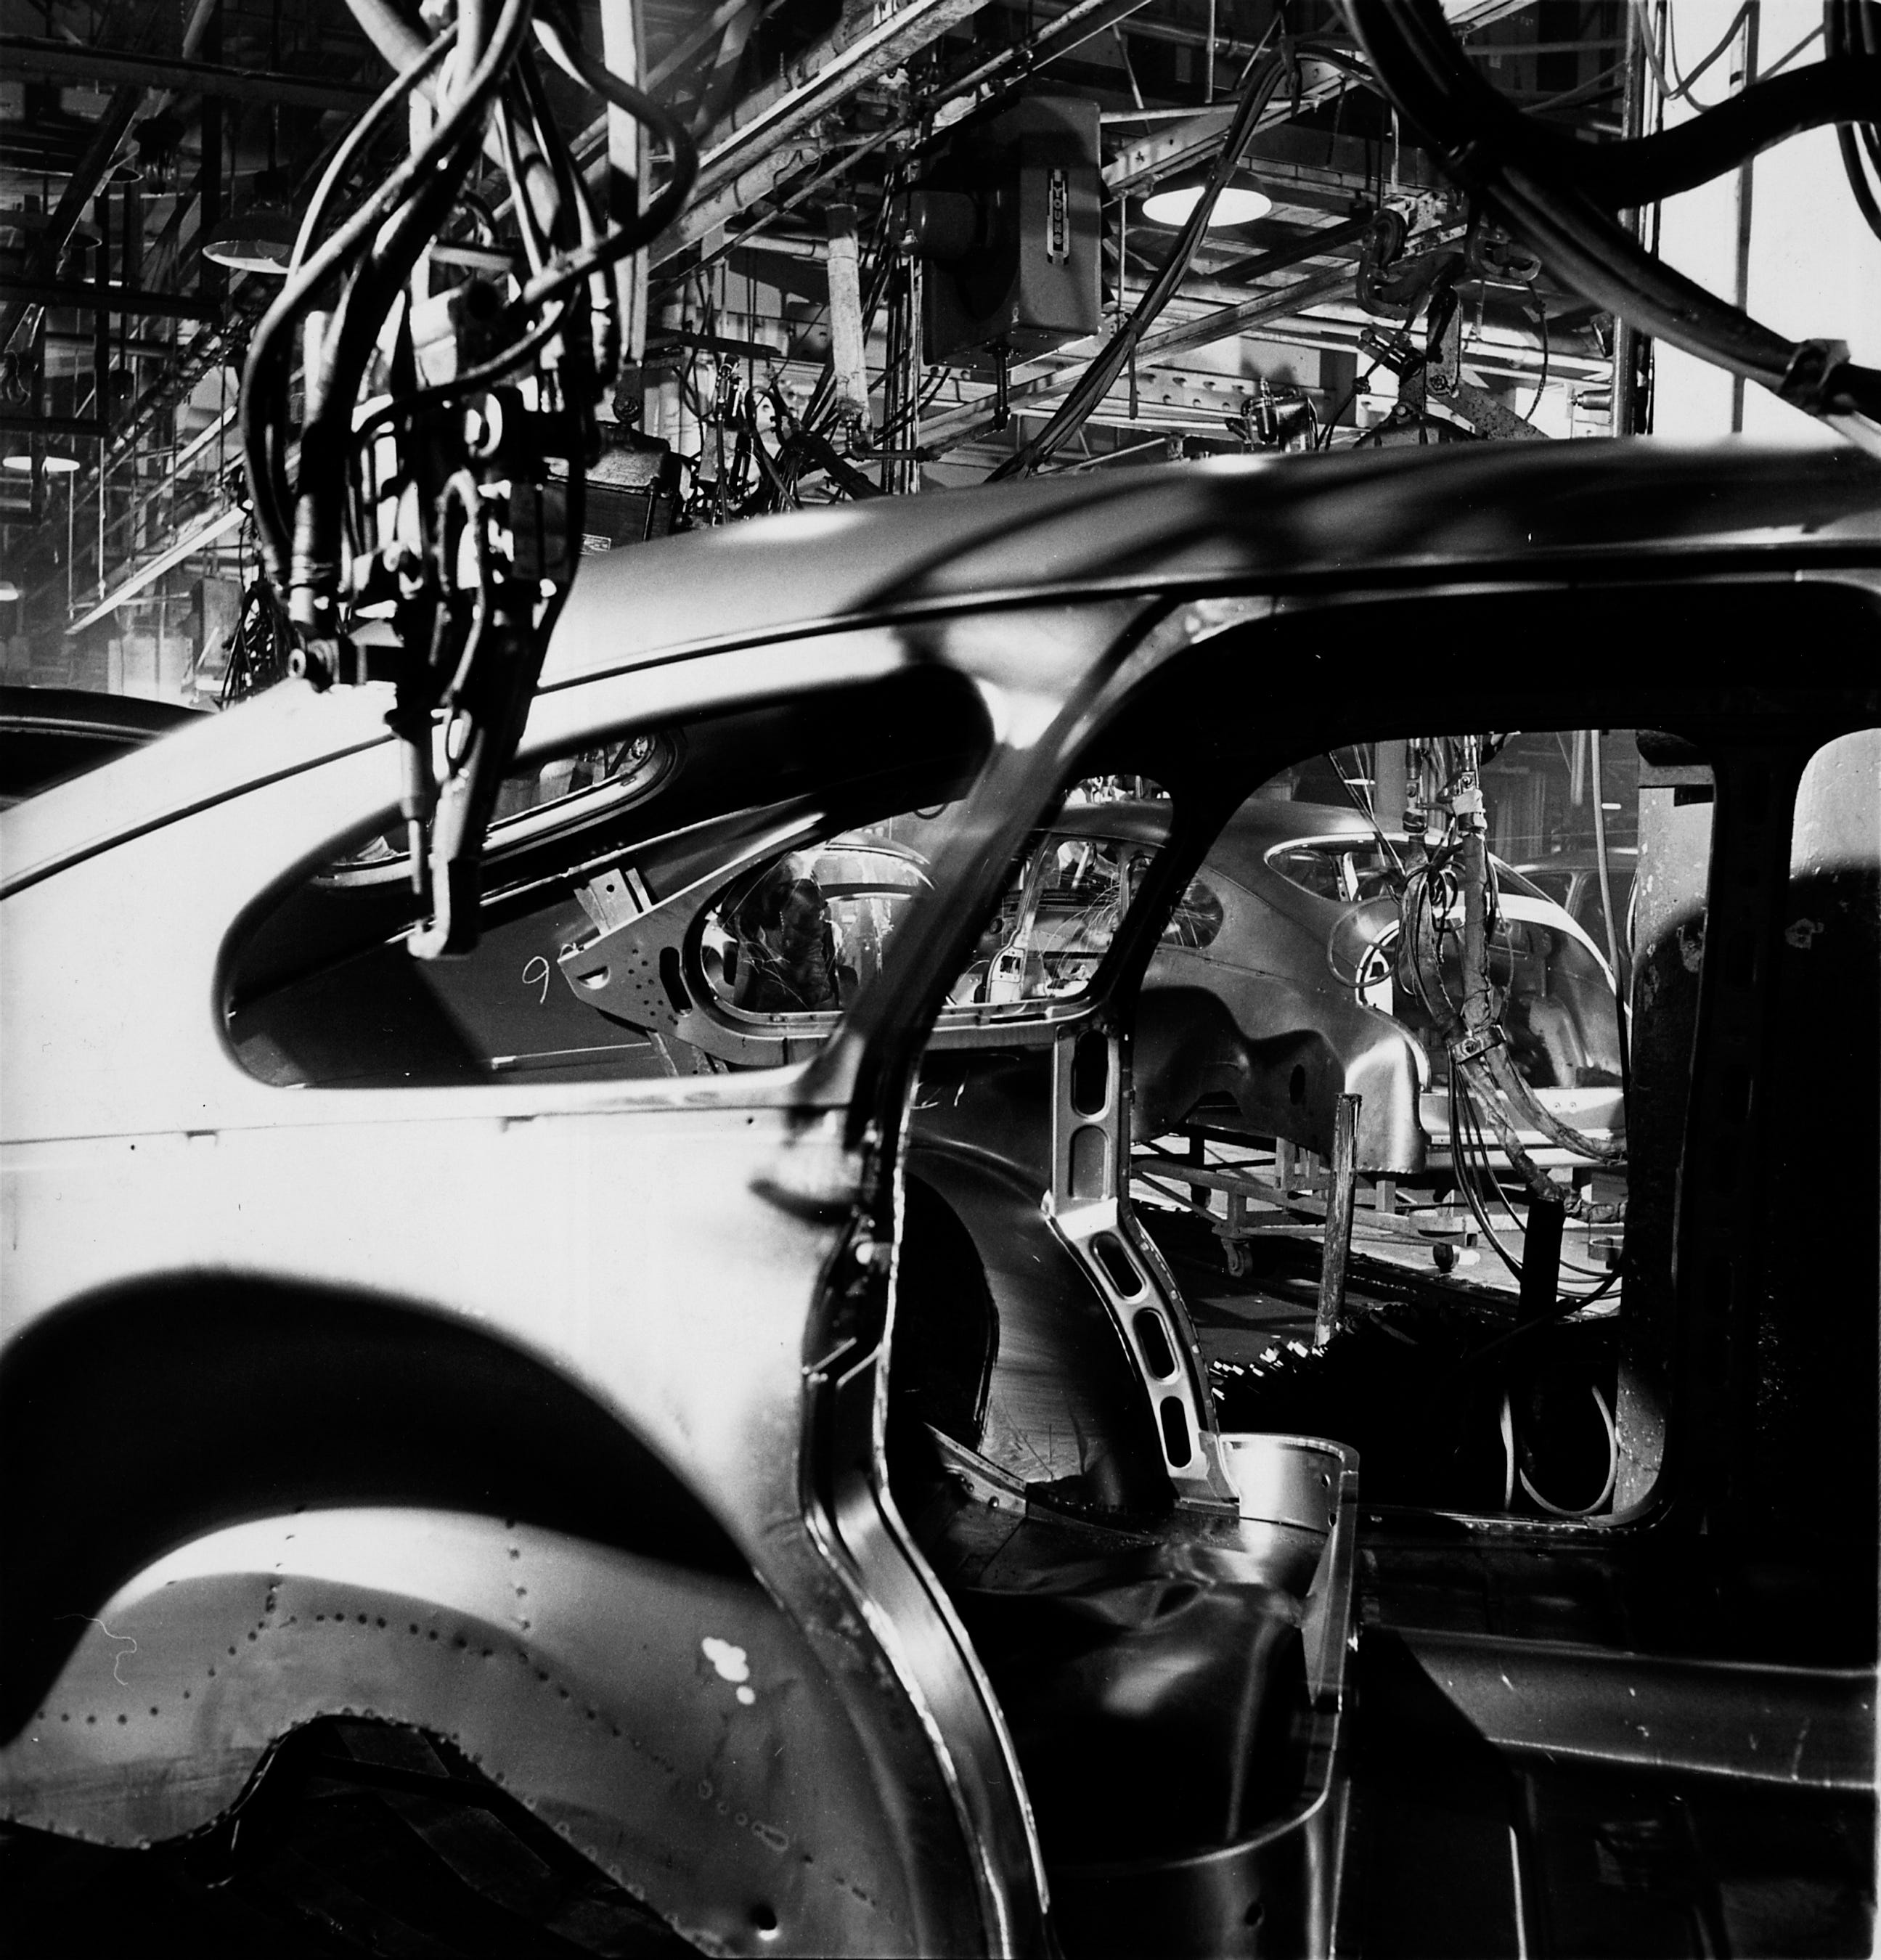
[(665, 208), (1351, 395), (580, 226), (1845, 28), (327, 441), (264, 378), (362, 132), (1536, 187), (472, 379), (537, 248), (1564, 1305), (1646, 170), (1481, 1144), (263, 398), (332, 386), (1541, 386)]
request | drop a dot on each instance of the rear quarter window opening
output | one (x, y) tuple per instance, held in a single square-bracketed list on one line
[(624, 823)]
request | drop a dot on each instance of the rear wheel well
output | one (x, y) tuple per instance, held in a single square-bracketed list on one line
[(133, 1421)]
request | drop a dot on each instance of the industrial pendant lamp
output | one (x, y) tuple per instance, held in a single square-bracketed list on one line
[(1171, 202), (258, 235), (56, 458)]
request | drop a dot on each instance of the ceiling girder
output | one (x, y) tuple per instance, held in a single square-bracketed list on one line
[(86, 298), (759, 152), (973, 420), (1174, 145), (68, 61), (860, 50), (72, 425), (87, 174)]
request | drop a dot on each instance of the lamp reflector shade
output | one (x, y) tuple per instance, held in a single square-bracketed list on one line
[(1239, 204), (55, 463), (258, 235)]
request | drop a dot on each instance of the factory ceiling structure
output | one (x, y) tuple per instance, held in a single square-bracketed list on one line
[(849, 303)]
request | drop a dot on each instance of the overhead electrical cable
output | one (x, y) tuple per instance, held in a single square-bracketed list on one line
[(1551, 190)]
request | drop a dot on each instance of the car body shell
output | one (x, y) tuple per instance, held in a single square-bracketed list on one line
[(49, 734), (1262, 1019), (310, 1390)]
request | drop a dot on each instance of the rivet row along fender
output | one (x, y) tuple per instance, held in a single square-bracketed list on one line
[(673, 1725)]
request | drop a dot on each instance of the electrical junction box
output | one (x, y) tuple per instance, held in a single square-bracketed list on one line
[(1008, 221)]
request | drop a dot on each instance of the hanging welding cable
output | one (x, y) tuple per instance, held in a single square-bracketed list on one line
[(422, 525), (1560, 195), (1850, 27), (1458, 876)]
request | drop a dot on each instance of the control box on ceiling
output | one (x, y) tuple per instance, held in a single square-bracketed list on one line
[(1006, 219)]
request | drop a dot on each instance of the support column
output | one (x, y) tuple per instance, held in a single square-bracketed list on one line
[(847, 346)]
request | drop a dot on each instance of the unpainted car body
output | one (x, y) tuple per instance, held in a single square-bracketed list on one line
[(49, 734), (800, 1485), (1271, 994), (1572, 879)]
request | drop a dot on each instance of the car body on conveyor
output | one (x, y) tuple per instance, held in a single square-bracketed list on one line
[(1272, 992), (794, 1489), (1572, 879)]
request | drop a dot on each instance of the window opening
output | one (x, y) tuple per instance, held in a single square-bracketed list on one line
[(1406, 1011)]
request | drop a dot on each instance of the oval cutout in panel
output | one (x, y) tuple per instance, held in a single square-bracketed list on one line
[(1090, 1073), (1090, 1163), (1175, 1421), (1158, 1357), (1116, 1262)]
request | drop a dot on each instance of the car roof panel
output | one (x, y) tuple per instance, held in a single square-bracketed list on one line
[(1244, 519)]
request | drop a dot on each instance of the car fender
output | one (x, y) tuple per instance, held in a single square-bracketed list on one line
[(1283, 1052), (1064, 1404), (671, 1724)]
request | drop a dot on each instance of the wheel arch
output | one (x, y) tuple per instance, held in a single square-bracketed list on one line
[(366, 1509), (137, 1418)]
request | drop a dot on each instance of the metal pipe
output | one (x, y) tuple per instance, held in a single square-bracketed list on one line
[(973, 422), (1326, 238), (1746, 186), (218, 525), (689, 43), (834, 70), (1337, 1246), (101, 320), (1620, 410), (626, 173), (212, 278), (848, 350)]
